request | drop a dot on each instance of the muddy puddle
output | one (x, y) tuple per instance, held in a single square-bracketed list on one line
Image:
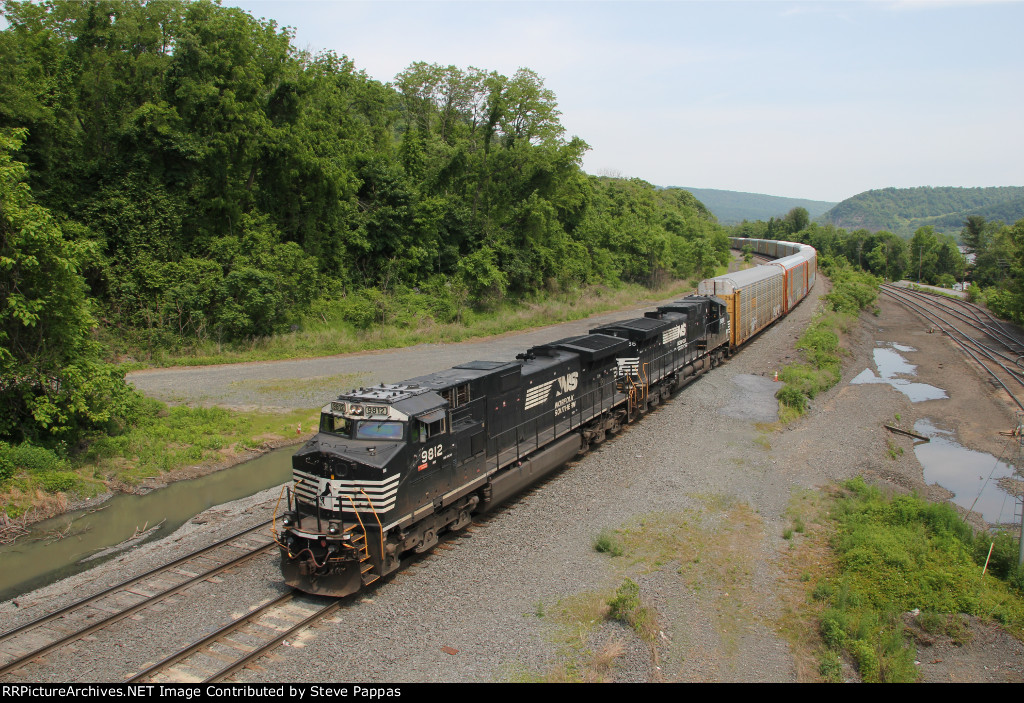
[(77, 541), (892, 367), (973, 477)]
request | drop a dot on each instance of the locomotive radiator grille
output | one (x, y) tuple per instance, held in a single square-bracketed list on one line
[(340, 495)]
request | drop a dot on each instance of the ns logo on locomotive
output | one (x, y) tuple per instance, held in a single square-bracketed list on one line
[(394, 466)]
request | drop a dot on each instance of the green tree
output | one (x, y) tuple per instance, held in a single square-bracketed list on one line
[(797, 219), (923, 254), (52, 382)]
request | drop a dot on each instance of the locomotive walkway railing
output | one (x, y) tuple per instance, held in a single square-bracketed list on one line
[(519, 442)]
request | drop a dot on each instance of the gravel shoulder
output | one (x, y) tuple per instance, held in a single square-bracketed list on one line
[(704, 485)]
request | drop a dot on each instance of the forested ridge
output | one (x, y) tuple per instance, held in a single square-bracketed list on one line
[(732, 207), (174, 172), (903, 210)]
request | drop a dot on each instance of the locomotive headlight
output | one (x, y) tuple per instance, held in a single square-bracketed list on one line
[(333, 528), (288, 519)]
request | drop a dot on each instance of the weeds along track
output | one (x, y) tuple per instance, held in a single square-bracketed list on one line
[(995, 345), (20, 646)]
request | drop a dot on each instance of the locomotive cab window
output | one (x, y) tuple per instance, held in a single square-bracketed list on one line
[(335, 425), (429, 426)]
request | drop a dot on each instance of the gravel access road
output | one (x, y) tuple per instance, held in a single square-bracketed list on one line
[(703, 489), (310, 383)]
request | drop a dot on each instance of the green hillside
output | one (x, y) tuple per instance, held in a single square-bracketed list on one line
[(732, 207), (903, 210)]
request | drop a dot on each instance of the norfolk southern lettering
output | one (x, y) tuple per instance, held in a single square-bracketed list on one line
[(394, 466)]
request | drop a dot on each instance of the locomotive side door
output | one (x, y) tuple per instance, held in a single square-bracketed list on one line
[(433, 451)]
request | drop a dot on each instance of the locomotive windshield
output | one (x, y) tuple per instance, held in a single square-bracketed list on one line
[(374, 429)]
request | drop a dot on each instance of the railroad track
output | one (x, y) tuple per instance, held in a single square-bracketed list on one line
[(220, 654), (994, 345), (22, 645), (241, 642)]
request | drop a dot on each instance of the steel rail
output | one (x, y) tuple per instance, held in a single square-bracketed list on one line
[(217, 634), (24, 659), (941, 327), (124, 584), (986, 351), (978, 344), (262, 650), (994, 330)]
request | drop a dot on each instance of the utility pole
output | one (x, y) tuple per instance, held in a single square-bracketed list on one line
[(1017, 469)]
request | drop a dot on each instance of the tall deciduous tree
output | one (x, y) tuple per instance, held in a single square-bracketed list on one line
[(52, 382)]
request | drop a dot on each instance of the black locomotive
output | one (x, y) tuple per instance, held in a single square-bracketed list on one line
[(395, 465)]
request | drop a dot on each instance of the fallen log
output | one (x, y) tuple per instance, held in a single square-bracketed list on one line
[(906, 432)]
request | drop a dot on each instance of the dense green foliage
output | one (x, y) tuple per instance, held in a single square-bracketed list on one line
[(229, 181), (897, 554), (904, 210), (53, 382), (180, 173), (996, 273), (733, 207)]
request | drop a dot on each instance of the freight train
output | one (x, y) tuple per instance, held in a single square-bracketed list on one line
[(394, 466)]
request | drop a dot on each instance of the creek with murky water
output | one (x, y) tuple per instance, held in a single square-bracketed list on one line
[(80, 540)]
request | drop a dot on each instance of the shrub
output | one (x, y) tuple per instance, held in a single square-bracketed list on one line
[(33, 459), (6, 465), (59, 481), (792, 397), (831, 667), (834, 625), (606, 543), (867, 660), (625, 601)]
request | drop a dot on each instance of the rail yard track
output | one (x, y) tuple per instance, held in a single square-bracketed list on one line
[(22, 645), (996, 346)]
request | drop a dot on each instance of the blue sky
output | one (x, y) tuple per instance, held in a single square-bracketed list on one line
[(814, 100)]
